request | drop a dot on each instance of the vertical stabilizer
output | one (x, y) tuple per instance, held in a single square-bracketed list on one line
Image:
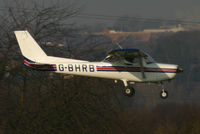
[(29, 47)]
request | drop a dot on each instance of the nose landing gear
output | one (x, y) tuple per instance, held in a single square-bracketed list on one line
[(163, 93)]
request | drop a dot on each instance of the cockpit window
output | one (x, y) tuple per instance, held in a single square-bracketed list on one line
[(130, 58), (136, 60), (148, 59), (111, 58)]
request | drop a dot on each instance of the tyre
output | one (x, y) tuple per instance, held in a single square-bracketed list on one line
[(163, 94), (129, 91)]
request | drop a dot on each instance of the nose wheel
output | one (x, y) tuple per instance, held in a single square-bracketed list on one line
[(163, 93)]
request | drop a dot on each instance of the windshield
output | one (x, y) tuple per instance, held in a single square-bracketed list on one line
[(130, 58), (148, 59), (133, 59), (111, 58)]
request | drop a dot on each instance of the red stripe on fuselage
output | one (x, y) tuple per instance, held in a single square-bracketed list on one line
[(134, 69), (39, 66)]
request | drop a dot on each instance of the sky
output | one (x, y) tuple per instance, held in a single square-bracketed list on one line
[(166, 9), (188, 9), (143, 7)]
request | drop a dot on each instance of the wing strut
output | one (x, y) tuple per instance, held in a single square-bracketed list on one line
[(142, 66)]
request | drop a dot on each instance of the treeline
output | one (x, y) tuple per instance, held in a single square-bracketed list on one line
[(163, 119), (57, 105), (85, 105)]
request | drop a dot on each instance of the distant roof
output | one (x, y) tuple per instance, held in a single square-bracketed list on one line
[(125, 50)]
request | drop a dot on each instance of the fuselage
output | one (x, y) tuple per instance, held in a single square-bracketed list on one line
[(153, 72)]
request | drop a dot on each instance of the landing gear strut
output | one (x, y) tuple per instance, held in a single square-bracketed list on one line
[(163, 93), (128, 91)]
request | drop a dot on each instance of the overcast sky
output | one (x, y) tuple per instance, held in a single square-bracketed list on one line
[(188, 9), (151, 8), (167, 9)]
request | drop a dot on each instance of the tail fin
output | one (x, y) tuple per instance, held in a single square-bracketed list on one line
[(29, 47), (33, 53)]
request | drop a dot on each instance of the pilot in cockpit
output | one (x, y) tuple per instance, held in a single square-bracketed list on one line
[(131, 60)]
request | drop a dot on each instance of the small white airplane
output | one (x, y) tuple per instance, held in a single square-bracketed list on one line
[(127, 65)]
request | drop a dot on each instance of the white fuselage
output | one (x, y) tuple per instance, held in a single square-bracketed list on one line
[(153, 71)]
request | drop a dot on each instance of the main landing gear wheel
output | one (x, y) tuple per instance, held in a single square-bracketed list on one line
[(129, 91), (163, 94)]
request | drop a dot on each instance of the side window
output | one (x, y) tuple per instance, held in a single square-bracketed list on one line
[(130, 59)]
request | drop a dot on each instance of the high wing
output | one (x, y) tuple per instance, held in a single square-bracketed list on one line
[(134, 57)]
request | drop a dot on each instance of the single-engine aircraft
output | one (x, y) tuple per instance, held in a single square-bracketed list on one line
[(127, 65)]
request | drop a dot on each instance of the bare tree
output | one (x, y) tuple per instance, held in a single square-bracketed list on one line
[(48, 100)]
